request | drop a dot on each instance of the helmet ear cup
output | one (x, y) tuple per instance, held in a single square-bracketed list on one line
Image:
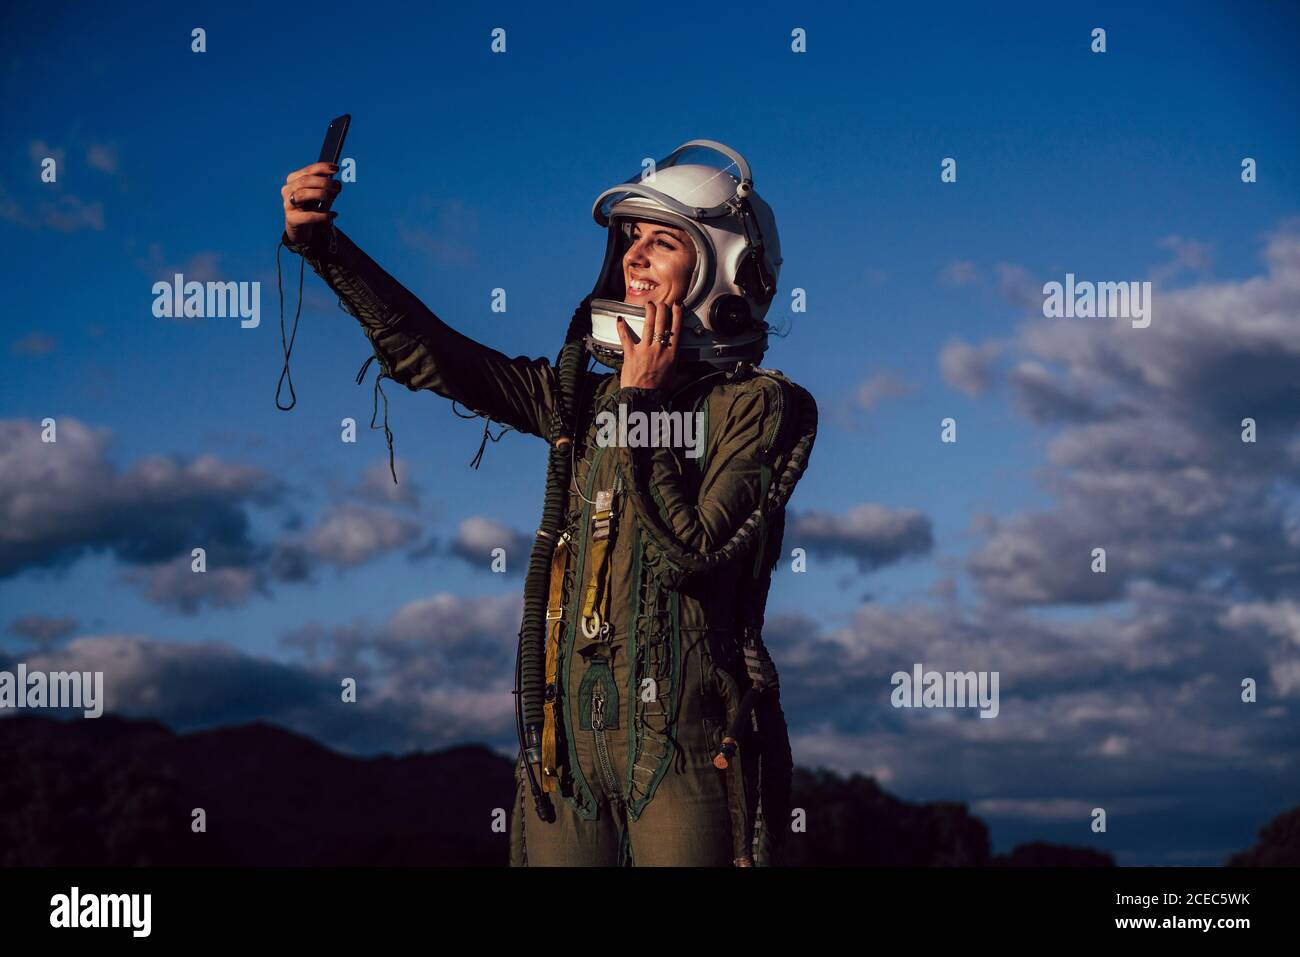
[(729, 315), (754, 276)]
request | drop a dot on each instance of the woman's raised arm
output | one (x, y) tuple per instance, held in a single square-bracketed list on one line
[(419, 349)]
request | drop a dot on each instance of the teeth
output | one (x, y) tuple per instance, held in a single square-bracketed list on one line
[(642, 286)]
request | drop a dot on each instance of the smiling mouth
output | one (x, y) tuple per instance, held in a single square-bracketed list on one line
[(640, 288)]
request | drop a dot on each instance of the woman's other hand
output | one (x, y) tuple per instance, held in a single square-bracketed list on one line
[(648, 362)]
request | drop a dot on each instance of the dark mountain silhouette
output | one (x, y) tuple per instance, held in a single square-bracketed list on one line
[(1043, 854), (859, 824), (1278, 844), (115, 791)]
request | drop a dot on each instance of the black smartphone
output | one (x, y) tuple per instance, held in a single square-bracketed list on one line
[(331, 150)]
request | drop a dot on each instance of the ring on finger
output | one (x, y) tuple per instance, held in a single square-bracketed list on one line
[(293, 202)]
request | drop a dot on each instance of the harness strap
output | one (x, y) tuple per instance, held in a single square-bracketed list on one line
[(595, 599), (550, 700), (600, 521)]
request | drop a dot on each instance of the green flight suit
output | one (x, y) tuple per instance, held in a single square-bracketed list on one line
[(645, 705)]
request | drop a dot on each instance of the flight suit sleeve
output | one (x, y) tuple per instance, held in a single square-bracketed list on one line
[(733, 482), (419, 350)]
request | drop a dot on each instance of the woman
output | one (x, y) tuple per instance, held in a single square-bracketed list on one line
[(650, 725)]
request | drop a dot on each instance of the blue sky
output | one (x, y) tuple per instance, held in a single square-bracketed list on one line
[(477, 171)]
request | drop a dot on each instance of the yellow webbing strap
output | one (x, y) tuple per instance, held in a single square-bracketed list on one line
[(554, 612), (601, 522)]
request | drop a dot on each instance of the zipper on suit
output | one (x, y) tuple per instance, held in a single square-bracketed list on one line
[(602, 746)]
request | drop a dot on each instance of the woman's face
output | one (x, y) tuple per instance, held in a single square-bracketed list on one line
[(658, 265)]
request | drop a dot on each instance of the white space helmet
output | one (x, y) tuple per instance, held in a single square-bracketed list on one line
[(737, 255)]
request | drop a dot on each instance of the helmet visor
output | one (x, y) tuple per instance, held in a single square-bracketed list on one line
[(730, 166)]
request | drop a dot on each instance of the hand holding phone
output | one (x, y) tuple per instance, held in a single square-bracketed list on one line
[(308, 193)]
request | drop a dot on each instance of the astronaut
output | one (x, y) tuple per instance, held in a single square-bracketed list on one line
[(648, 711)]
